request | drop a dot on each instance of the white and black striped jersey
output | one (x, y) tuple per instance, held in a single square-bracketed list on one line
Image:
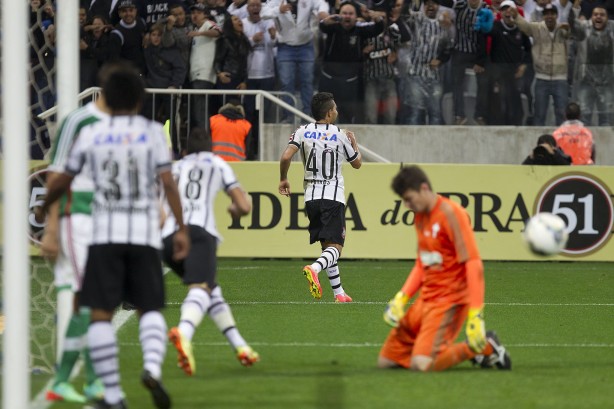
[(200, 176), (323, 148), (124, 155)]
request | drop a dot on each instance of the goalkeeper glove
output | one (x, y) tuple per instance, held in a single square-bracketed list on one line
[(476, 334), (395, 309)]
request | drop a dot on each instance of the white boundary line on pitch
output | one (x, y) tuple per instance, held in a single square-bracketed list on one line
[(376, 345), (511, 304)]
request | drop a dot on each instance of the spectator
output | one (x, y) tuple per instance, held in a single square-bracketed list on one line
[(342, 61), (176, 32), (430, 46), (470, 52), (156, 10), (295, 50), (587, 6), (549, 52), (380, 54), (127, 38), (260, 64), (574, 138), (537, 13), (165, 70), (594, 67), (510, 55), (202, 74), (95, 46), (547, 153), (231, 52), (230, 133)]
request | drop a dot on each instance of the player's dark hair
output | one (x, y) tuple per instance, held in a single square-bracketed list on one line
[(547, 138), (321, 103), (572, 111), (199, 141), (409, 178), (122, 87)]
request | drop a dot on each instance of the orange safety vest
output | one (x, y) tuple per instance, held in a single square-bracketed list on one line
[(576, 141), (228, 137)]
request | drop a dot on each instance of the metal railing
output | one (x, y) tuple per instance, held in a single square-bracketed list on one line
[(260, 97)]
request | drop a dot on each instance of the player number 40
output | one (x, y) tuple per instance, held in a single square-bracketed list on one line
[(327, 161)]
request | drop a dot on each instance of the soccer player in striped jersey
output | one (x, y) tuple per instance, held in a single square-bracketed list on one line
[(449, 275), (68, 232), (200, 176), (323, 147), (124, 153)]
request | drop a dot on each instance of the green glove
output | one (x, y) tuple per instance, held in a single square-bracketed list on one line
[(395, 310), (476, 334)]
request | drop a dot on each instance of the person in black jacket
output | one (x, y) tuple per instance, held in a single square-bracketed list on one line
[(127, 38), (547, 153), (167, 70), (510, 56), (95, 49), (230, 64), (231, 52), (343, 58)]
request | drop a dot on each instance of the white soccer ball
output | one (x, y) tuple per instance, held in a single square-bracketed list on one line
[(545, 234)]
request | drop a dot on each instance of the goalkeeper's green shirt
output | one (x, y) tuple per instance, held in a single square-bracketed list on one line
[(79, 198)]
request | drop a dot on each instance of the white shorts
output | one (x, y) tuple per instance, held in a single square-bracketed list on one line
[(75, 238)]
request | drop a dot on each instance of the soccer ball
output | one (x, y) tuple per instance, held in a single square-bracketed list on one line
[(545, 234)]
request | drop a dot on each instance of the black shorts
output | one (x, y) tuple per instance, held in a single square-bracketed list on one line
[(326, 221), (123, 272), (200, 266)]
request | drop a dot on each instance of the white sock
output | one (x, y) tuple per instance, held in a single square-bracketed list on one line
[(334, 277), (222, 317), (329, 257), (193, 310), (103, 352), (152, 334)]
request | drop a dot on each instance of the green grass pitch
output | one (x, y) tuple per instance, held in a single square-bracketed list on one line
[(556, 318)]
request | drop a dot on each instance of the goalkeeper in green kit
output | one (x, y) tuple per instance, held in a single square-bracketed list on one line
[(449, 275)]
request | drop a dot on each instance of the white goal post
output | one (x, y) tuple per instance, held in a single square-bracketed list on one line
[(16, 284), (15, 128)]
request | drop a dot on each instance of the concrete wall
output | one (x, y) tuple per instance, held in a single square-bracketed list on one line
[(445, 144)]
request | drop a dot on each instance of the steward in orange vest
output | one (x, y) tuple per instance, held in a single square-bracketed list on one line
[(574, 138), (230, 132)]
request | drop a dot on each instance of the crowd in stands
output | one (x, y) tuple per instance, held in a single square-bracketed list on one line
[(386, 61)]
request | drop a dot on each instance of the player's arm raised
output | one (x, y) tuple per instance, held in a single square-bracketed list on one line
[(284, 166)]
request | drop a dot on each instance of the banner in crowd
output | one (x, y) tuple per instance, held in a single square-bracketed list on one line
[(498, 198)]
